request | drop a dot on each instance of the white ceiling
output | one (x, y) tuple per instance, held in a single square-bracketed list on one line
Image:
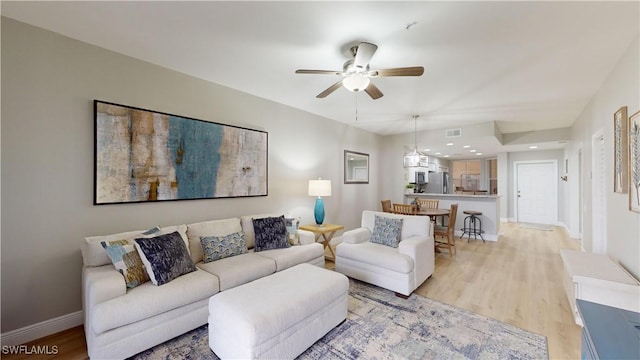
[(525, 65)]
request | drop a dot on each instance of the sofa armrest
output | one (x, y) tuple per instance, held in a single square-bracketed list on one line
[(421, 250), (102, 283), (306, 237), (356, 236)]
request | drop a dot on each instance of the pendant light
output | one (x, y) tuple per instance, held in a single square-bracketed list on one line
[(413, 158)]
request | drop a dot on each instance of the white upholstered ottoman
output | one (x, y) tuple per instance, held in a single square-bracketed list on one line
[(278, 316)]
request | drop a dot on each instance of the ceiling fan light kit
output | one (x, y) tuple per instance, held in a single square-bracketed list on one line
[(356, 73), (356, 82)]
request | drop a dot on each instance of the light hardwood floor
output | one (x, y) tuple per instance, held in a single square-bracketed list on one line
[(517, 280)]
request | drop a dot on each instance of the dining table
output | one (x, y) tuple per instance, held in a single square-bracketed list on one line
[(433, 213)]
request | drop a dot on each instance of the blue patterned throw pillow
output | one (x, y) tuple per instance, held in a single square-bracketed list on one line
[(271, 233), (386, 231), (126, 260), (165, 257), (220, 247)]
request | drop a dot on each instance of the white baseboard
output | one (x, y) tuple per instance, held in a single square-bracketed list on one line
[(42, 329), (487, 237)]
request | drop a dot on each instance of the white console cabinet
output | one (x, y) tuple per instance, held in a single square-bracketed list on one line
[(598, 279)]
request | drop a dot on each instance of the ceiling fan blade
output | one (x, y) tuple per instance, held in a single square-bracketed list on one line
[(329, 90), (323, 72), (364, 54), (373, 91), (406, 71)]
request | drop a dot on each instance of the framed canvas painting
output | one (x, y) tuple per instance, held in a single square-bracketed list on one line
[(143, 156), (634, 162), (620, 166)]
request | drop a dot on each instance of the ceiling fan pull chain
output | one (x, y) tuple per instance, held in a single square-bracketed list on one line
[(356, 106)]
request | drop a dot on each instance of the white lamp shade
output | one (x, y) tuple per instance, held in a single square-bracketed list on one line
[(356, 82), (319, 187)]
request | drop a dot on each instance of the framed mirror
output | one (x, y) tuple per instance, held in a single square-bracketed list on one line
[(356, 167)]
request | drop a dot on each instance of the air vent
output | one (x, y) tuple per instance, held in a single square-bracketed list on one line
[(453, 133)]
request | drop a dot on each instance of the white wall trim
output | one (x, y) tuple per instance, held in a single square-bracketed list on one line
[(42, 329)]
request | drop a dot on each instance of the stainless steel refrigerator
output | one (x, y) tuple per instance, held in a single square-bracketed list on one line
[(439, 183)]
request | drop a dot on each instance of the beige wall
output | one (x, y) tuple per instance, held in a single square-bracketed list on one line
[(48, 85), (621, 88)]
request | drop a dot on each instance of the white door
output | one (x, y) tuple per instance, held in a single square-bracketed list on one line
[(537, 192)]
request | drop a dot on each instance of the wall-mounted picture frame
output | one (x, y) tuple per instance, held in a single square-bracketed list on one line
[(356, 167), (634, 162), (620, 153), (146, 156)]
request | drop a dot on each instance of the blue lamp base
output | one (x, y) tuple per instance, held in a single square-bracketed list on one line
[(318, 211)]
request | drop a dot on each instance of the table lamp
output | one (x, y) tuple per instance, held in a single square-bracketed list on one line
[(319, 188)]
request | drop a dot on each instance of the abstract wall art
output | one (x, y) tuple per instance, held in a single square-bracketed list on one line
[(620, 150), (634, 162), (143, 155)]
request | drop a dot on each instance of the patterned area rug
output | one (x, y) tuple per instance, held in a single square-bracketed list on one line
[(380, 325)]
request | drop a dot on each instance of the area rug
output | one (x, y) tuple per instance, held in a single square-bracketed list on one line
[(543, 227), (380, 325)]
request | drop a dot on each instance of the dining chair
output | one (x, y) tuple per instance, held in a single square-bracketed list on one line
[(428, 203), (386, 206), (447, 232), (405, 209)]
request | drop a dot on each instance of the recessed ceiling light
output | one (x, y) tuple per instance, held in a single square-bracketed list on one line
[(437, 153), (473, 150), (533, 147), (426, 150), (478, 153), (446, 156), (467, 146), (449, 144)]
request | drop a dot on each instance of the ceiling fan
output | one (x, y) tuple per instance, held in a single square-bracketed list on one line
[(357, 75)]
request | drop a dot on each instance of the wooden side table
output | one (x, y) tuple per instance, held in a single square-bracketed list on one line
[(327, 231)]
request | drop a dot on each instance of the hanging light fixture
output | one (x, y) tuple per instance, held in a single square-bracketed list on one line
[(413, 158)]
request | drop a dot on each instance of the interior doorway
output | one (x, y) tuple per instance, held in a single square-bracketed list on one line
[(536, 191), (598, 201)]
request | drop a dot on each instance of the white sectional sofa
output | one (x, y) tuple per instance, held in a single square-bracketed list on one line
[(120, 322), (401, 269)]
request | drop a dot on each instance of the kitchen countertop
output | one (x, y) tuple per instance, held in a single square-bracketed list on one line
[(452, 195)]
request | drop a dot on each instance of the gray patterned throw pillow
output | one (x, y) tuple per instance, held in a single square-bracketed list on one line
[(386, 231), (220, 247), (165, 257), (271, 233)]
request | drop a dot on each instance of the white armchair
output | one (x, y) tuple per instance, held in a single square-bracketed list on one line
[(400, 269)]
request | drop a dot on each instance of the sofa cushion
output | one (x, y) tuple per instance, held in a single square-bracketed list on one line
[(294, 255), (386, 231), (271, 233), (220, 247), (93, 253), (377, 255), (237, 270), (247, 227), (165, 257), (148, 300), (209, 228), (412, 225)]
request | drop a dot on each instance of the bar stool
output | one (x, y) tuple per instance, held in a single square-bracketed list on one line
[(472, 225)]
